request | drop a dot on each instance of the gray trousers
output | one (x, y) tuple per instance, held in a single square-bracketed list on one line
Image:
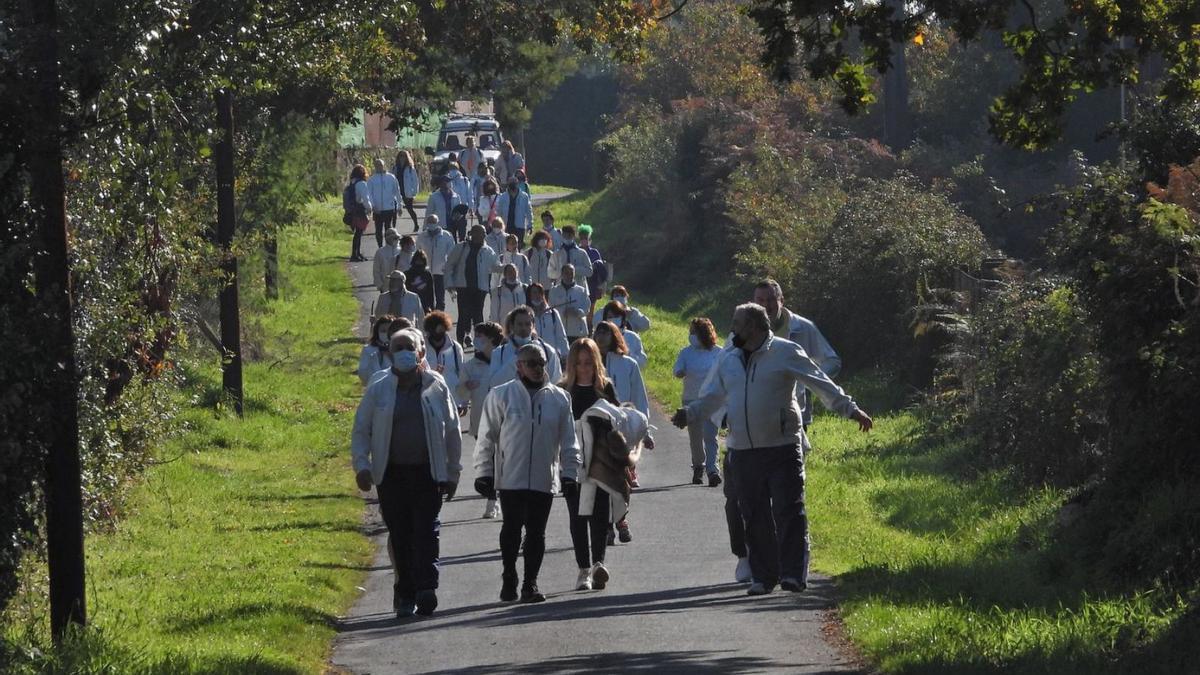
[(770, 487)]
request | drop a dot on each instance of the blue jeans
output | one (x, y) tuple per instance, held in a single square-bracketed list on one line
[(703, 436)]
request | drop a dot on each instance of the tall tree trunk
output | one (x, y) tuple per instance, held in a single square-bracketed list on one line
[(231, 330), (64, 495), (271, 264), (897, 126)]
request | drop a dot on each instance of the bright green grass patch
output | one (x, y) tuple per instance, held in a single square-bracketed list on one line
[(241, 548)]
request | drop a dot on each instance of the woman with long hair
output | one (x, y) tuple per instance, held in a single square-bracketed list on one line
[(539, 259), (410, 183), (362, 209), (375, 355), (693, 365)]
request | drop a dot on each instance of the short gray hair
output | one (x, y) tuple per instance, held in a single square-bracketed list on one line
[(380, 167), (756, 314), (413, 334), (431, 218)]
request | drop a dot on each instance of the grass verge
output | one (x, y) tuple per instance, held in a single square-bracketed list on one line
[(243, 543), (941, 568)]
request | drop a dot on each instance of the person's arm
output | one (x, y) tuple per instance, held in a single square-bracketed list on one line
[(494, 302), (570, 458), (527, 216), (489, 436), (804, 369), (637, 392), (360, 436), (366, 364), (712, 392), (584, 270), (638, 321), (680, 368)]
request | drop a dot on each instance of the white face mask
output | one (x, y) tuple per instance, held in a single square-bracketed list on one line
[(405, 360), (541, 245), (621, 299), (694, 340), (520, 341), (382, 336)]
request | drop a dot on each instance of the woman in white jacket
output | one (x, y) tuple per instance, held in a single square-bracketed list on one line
[(410, 184), (375, 356), (526, 440), (512, 255), (443, 355), (546, 320), (539, 255), (508, 295), (619, 315), (476, 384)]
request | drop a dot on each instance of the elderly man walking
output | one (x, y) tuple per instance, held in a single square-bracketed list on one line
[(755, 378), (406, 443)]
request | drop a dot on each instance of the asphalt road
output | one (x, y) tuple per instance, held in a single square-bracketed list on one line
[(671, 606)]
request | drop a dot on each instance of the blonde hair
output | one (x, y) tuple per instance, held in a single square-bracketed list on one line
[(578, 347)]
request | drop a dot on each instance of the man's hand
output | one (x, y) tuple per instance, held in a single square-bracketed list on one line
[(679, 419), (864, 420), (363, 478), (485, 485), (448, 490)]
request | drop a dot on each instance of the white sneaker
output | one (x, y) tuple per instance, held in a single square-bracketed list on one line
[(600, 576), (742, 572), (492, 510), (584, 582)]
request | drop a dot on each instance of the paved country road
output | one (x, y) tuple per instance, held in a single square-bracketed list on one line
[(671, 606)]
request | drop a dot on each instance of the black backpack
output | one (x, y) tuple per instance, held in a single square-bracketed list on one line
[(350, 205)]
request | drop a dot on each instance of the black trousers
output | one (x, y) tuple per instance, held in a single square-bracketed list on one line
[(411, 504), (470, 310), (733, 514), (439, 291), (408, 206), (356, 243), (770, 489), (383, 220), (527, 510), (591, 529)]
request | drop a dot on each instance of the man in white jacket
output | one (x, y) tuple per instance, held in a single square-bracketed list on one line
[(437, 244), (570, 254), (572, 302), (469, 270), (800, 330), (518, 328), (386, 259), (385, 199), (407, 444), (755, 380), (526, 440), (399, 301), (514, 207)]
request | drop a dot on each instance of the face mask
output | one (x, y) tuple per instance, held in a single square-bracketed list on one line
[(538, 304), (433, 227), (497, 231), (407, 250), (568, 242), (510, 284), (382, 336), (694, 340), (739, 341), (621, 299), (541, 245), (520, 341), (404, 361)]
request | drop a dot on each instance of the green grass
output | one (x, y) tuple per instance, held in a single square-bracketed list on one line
[(941, 568), (244, 544)]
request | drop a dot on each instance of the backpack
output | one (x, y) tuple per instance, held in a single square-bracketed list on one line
[(599, 272), (350, 205)]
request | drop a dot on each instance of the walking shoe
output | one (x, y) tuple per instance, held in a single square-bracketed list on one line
[(742, 572), (714, 479), (612, 536), (426, 602), (599, 576), (530, 593), (792, 584), (508, 589), (759, 588), (623, 532), (492, 510), (697, 475), (406, 608), (584, 581)]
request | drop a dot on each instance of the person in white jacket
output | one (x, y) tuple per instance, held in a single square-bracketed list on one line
[(385, 199), (406, 443), (410, 184), (485, 202), (468, 271), (444, 356), (375, 356), (515, 207), (526, 443), (618, 314), (471, 158), (539, 256), (386, 259), (546, 320), (755, 381), (495, 238), (548, 227), (570, 254), (437, 244), (460, 183), (518, 329), (634, 319), (508, 294), (511, 254), (362, 211), (801, 331), (572, 302), (398, 300), (442, 203), (476, 384)]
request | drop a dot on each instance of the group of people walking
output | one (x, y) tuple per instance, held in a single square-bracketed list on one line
[(551, 388)]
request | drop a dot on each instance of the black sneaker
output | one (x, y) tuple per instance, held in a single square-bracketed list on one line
[(426, 602), (714, 479), (403, 605), (697, 475), (612, 538), (792, 584), (508, 589), (623, 532), (531, 594)]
